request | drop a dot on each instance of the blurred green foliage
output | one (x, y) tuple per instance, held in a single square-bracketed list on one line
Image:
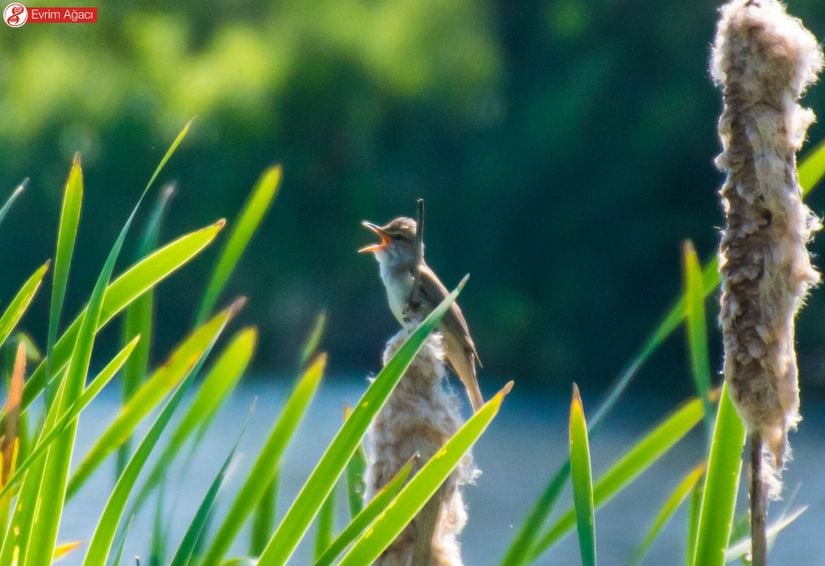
[(564, 148)]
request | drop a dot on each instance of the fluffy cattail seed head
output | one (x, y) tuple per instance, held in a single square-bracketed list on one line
[(419, 417), (764, 60)]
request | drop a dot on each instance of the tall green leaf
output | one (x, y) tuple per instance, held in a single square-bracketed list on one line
[(20, 303), (721, 485), (329, 469), (4, 210), (666, 512), (368, 514), (325, 529), (179, 365), (66, 236), (132, 284), (216, 387), (582, 481), (630, 466), (139, 315), (697, 329), (242, 231), (418, 491), (266, 464), (104, 535)]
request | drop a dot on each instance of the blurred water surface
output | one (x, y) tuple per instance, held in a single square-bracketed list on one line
[(523, 446)]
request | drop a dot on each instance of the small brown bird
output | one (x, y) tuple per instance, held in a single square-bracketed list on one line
[(396, 258)]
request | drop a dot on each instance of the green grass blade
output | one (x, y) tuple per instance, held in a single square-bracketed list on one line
[(242, 231), (66, 236), (693, 521), (266, 464), (104, 535), (812, 168), (216, 387), (329, 469), (671, 505), (140, 314), (179, 365), (367, 515), (418, 491), (140, 278), (630, 466), (721, 485), (20, 303), (582, 479), (356, 469), (811, 171), (70, 415), (313, 340), (263, 518), (189, 543), (325, 532), (168, 155), (743, 547), (4, 210), (697, 329)]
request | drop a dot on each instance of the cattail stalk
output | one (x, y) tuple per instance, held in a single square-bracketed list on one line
[(418, 418), (764, 60)]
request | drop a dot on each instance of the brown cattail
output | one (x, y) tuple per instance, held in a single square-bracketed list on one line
[(419, 417), (764, 60)]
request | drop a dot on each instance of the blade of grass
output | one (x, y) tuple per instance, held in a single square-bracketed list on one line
[(266, 464), (88, 395), (697, 330), (20, 303), (104, 535), (355, 477), (216, 387), (630, 466), (743, 547), (329, 469), (139, 315), (811, 171), (313, 340), (671, 505), (693, 521), (66, 236), (132, 284), (242, 231), (325, 532), (418, 491), (178, 366), (263, 518), (367, 515), (582, 479), (721, 485), (189, 543), (13, 197)]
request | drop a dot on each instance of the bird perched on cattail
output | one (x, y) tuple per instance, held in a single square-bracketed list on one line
[(398, 261)]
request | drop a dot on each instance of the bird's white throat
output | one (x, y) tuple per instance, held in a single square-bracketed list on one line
[(398, 281)]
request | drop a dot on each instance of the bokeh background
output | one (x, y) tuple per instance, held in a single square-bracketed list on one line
[(564, 149)]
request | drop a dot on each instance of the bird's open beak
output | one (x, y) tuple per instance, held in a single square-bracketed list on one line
[(385, 241)]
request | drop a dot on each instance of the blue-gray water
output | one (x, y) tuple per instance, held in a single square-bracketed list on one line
[(522, 447)]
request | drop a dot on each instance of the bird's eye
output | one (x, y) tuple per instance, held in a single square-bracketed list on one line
[(397, 237)]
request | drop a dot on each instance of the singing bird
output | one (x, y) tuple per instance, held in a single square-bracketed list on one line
[(395, 253)]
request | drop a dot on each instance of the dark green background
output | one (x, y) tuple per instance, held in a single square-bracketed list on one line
[(564, 149)]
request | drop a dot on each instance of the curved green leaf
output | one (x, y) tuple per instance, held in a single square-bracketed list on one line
[(721, 485), (266, 464), (242, 231), (418, 491), (582, 481), (20, 303), (4, 210)]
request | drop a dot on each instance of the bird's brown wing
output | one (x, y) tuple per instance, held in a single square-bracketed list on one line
[(434, 291)]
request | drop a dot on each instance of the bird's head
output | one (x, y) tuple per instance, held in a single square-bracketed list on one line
[(397, 240)]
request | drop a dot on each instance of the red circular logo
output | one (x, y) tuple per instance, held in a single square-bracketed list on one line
[(15, 15)]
